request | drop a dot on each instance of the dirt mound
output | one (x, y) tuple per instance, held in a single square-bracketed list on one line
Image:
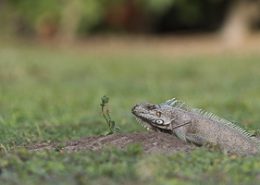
[(152, 142)]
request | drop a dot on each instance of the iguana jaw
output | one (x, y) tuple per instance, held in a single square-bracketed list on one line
[(144, 124), (149, 127)]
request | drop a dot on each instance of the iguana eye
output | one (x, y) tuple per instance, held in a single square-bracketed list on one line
[(159, 121), (158, 114)]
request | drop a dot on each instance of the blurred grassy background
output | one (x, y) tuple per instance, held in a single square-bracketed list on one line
[(58, 58), (54, 95)]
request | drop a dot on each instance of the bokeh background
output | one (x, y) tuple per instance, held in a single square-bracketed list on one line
[(59, 57), (77, 19)]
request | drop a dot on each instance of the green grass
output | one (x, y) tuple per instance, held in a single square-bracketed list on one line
[(54, 95)]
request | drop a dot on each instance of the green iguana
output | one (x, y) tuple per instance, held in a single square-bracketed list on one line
[(196, 126)]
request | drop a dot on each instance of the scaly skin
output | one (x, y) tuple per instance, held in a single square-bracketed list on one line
[(194, 126)]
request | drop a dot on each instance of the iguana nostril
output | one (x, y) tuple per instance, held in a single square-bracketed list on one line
[(134, 108), (151, 107)]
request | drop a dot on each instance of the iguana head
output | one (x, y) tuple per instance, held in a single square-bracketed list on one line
[(156, 117)]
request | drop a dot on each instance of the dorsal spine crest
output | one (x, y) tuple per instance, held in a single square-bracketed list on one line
[(181, 105)]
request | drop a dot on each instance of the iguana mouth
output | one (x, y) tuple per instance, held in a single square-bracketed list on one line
[(149, 127), (144, 124)]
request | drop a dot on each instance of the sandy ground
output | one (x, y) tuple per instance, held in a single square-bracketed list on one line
[(209, 44), (151, 142), (168, 45)]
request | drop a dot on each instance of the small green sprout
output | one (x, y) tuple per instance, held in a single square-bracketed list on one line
[(107, 117)]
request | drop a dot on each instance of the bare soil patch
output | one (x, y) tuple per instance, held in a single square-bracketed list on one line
[(151, 142)]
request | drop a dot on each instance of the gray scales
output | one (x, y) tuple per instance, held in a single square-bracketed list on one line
[(196, 126)]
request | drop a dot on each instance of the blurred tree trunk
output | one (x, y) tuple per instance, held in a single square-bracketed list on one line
[(239, 22), (70, 19)]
